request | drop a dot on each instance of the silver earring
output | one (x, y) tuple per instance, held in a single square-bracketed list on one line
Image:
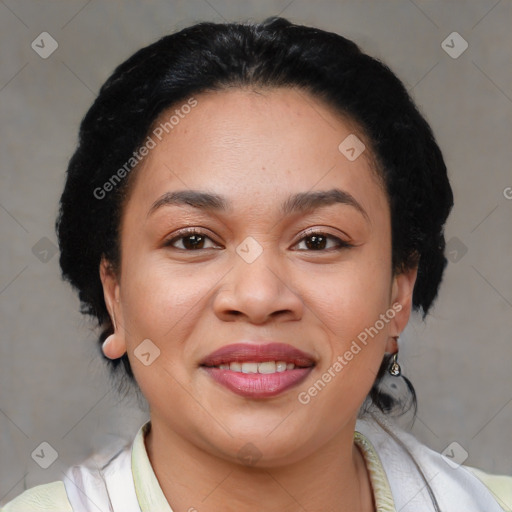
[(395, 369)]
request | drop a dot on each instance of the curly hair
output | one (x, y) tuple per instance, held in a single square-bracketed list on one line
[(275, 53)]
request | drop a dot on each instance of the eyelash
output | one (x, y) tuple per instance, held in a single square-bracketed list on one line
[(184, 234), (341, 244)]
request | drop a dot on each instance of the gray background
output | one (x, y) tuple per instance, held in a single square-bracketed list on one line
[(53, 386)]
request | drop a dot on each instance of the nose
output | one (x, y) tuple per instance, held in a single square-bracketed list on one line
[(258, 293)]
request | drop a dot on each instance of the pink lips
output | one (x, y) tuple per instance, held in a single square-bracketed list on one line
[(258, 385)]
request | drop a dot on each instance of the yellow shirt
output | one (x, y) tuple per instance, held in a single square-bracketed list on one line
[(52, 497)]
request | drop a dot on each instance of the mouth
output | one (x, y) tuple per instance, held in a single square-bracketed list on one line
[(258, 371)]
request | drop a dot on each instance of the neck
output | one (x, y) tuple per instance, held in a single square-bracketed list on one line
[(333, 478)]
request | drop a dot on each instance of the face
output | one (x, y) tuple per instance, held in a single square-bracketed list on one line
[(246, 225)]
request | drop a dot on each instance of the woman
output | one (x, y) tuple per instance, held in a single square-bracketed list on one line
[(251, 214)]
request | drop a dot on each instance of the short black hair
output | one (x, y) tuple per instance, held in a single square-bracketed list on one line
[(275, 53)]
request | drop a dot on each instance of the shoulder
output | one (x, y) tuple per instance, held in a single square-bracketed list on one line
[(50, 497), (103, 480), (410, 465), (499, 485)]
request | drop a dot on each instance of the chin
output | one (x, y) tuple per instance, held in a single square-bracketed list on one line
[(263, 448)]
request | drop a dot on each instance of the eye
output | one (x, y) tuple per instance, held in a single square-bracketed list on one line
[(191, 240), (320, 241)]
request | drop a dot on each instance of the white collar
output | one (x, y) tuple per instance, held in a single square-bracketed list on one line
[(125, 481)]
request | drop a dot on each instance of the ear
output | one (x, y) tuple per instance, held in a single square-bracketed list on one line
[(401, 301), (115, 345)]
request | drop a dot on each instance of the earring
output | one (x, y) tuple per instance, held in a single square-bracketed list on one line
[(395, 369)]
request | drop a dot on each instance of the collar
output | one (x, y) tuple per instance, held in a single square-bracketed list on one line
[(151, 497)]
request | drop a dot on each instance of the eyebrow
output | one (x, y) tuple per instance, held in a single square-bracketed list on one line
[(307, 201), (194, 198), (298, 203)]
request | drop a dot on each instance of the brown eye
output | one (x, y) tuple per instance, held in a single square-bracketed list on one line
[(316, 242), (321, 242), (191, 241)]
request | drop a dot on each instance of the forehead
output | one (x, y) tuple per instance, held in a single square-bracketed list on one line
[(255, 145)]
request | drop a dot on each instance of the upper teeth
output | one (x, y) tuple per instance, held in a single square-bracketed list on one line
[(265, 367)]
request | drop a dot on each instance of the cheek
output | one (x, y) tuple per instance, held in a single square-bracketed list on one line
[(349, 302), (351, 297), (162, 306), (162, 301), (348, 310)]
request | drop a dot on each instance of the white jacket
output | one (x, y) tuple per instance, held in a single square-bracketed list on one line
[(406, 477)]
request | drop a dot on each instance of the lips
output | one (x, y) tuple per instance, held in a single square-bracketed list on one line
[(248, 353), (258, 371)]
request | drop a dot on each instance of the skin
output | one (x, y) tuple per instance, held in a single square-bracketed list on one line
[(255, 148)]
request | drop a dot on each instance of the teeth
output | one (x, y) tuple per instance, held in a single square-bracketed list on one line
[(253, 367), (281, 366), (269, 367), (249, 367)]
